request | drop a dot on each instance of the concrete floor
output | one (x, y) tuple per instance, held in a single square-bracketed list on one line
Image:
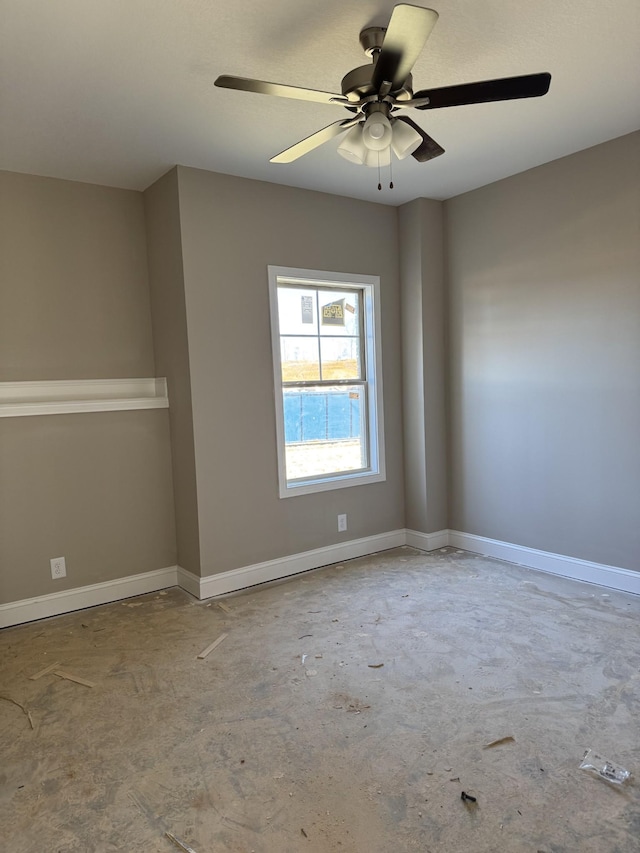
[(252, 749)]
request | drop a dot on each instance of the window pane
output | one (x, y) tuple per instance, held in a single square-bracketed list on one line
[(339, 312), (324, 431), (297, 311), (340, 358), (299, 357)]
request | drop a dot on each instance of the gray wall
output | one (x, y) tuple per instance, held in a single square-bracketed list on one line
[(544, 284), (543, 277), (171, 345), (74, 303), (74, 299), (232, 229), (424, 361)]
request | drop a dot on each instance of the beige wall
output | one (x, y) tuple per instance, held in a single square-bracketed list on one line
[(232, 229), (74, 303), (544, 283), (424, 365), (74, 298), (543, 309), (171, 345), (94, 488)]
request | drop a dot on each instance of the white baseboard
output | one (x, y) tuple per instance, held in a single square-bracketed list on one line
[(427, 541), (284, 567), (557, 564), (612, 577), (29, 609), (189, 582)]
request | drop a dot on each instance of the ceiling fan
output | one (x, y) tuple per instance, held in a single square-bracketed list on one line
[(374, 93)]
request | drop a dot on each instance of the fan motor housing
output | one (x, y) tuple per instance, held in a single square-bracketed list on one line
[(357, 85)]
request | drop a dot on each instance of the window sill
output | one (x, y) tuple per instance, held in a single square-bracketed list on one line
[(343, 481)]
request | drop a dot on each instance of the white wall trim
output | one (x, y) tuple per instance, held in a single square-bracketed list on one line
[(57, 397), (284, 567), (29, 609), (427, 541), (612, 577), (189, 582)]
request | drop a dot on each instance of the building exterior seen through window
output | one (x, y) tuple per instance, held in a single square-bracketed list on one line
[(328, 406)]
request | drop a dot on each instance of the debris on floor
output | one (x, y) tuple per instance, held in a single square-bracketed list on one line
[(224, 607), (180, 844), (357, 708), (602, 767), (375, 665), (21, 706), (210, 648), (158, 745), (467, 798), (46, 670), (499, 742), (76, 678)]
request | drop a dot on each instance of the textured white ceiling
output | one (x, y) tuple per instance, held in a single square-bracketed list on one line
[(116, 92)]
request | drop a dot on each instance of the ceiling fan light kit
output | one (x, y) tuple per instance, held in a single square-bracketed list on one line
[(405, 139), (379, 136), (352, 147), (376, 131), (374, 93), (378, 159)]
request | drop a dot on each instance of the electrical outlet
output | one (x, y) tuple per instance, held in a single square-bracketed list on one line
[(342, 522), (58, 568)]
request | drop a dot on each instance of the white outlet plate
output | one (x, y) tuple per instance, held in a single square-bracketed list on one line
[(342, 522), (58, 568)]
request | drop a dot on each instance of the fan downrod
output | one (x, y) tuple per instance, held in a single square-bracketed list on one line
[(371, 39)]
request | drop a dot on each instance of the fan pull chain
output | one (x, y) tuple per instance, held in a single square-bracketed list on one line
[(379, 182), (390, 172)]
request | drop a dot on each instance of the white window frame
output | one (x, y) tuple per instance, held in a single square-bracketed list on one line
[(372, 340)]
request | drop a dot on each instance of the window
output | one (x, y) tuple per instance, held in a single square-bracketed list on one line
[(325, 331)]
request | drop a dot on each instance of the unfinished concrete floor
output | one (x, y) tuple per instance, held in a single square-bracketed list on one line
[(413, 662)]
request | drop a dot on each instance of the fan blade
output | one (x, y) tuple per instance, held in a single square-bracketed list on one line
[(408, 30), (428, 148), (315, 140), (505, 89), (244, 84)]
